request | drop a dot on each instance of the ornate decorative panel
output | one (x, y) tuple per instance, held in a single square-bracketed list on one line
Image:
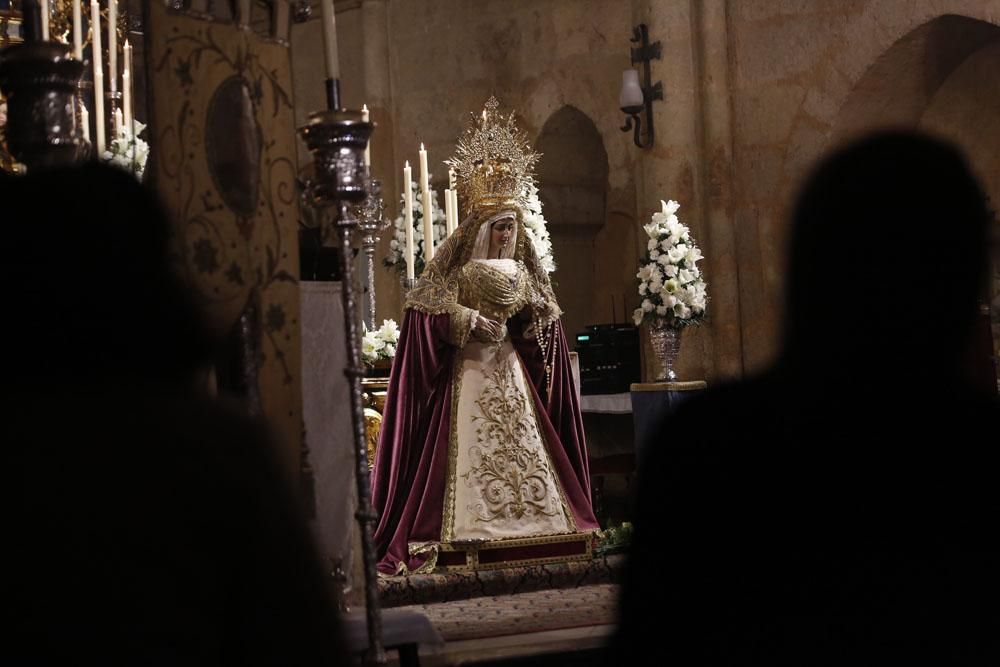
[(223, 160)]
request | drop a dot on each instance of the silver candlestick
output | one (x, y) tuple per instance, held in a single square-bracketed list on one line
[(337, 140), (371, 223), (39, 80)]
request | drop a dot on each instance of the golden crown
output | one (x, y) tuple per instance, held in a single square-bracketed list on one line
[(493, 161)]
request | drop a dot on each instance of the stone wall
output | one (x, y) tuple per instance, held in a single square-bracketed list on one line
[(806, 76), (537, 57), (756, 91)]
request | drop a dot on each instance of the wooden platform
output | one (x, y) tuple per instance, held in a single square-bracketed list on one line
[(466, 556), (463, 585)]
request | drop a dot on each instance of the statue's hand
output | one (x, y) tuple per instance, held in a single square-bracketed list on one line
[(487, 329)]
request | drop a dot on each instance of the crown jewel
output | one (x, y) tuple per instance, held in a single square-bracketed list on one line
[(493, 160)]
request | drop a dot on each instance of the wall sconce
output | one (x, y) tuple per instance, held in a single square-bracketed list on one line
[(634, 98)]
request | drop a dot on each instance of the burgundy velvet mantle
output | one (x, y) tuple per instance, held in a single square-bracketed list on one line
[(408, 484)]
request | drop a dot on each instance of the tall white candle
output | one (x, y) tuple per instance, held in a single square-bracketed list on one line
[(454, 211), (119, 121), (99, 112), (126, 100), (77, 31), (408, 218), (85, 121), (365, 116), (45, 19), (128, 57), (447, 212), (95, 22), (113, 45), (329, 19), (425, 193), (127, 88)]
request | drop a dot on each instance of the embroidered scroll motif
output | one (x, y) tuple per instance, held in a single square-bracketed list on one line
[(511, 480)]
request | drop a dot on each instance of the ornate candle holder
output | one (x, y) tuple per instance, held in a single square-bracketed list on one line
[(337, 140), (407, 284), (371, 223), (112, 102), (39, 80)]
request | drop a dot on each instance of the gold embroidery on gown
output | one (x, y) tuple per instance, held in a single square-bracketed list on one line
[(501, 482), (509, 477)]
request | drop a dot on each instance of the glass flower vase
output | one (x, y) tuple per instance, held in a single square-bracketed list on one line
[(666, 342)]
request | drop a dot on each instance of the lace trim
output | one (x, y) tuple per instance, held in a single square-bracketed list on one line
[(448, 518), (461, 322), (418, 549)]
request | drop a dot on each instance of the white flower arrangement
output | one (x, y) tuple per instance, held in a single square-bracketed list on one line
[(535, 227), (670, 282), (128, 151), (396, 258), (380, 343)]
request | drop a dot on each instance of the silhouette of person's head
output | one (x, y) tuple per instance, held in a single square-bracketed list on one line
[(888, 257), (95, 297), (190, 547)]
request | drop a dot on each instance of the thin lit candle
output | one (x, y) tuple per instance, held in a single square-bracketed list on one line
[(77, 31), (127, 88), (95, 22), (428, 213), (454, 209), (408, 218)]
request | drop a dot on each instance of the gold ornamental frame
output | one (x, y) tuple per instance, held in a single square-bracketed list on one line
[(474, 548)]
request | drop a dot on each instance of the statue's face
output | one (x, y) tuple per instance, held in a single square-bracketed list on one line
[(500, 235)]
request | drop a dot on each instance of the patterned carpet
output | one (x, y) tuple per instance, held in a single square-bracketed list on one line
[(535, 611), (425, 589)]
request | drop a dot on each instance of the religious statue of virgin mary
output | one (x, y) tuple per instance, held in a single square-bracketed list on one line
[(482, 448)]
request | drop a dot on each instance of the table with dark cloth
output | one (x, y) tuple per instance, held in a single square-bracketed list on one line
[(652, 404)]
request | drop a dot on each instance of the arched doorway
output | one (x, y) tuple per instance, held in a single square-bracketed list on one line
[(573, 184), (941, 78)]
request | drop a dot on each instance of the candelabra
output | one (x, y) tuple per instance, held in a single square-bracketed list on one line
[(39, 80), (371, 223), (337, 140)]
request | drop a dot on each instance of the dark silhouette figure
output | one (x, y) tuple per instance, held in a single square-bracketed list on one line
[(839, 508), (143, 522)]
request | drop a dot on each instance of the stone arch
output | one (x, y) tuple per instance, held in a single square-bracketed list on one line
[(902, 82), (881, 66), (940, 78), (572, 176), (573, 170)]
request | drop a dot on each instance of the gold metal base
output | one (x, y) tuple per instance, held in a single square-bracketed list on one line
[(669, 386)]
